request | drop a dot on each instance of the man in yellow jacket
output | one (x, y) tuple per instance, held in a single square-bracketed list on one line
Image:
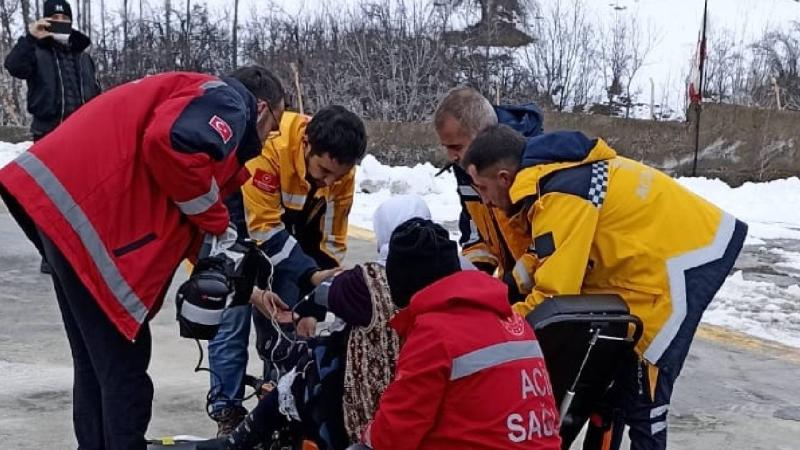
[(488, 239), (296, 207), (601, 223), (299, 197)]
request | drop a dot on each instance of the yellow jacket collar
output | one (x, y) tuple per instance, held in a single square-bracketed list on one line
[(526, 183)]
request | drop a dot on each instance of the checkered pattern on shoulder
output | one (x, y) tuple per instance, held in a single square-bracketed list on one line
[(598, 186)]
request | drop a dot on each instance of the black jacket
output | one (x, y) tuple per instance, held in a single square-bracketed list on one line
[(42, 64)]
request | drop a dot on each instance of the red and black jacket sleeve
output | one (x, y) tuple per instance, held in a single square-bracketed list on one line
[(185, 143)]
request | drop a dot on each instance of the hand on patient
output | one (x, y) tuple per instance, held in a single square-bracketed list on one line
[(271, 305)]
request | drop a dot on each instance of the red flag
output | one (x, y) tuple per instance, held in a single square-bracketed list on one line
[(696, 75)]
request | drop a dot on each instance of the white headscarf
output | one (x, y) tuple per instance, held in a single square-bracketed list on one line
[(393, 212)]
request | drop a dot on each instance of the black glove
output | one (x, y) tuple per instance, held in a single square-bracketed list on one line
[(201, 299)]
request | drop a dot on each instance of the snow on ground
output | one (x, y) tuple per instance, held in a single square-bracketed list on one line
[(772, 210), (757, 308), (10, 151)]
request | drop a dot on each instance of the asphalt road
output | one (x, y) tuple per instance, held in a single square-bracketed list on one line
[(735, 392)]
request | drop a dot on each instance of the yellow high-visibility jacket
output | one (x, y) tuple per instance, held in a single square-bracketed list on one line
[(488, 238), (601, 223), (283, 210)]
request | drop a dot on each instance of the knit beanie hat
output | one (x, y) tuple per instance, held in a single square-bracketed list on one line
[(57, 7), (420, 253)]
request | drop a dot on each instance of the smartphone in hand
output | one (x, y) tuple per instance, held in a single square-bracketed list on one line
[(60, 27)]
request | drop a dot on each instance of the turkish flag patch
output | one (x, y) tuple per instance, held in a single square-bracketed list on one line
[(222, 128), (267, 182)]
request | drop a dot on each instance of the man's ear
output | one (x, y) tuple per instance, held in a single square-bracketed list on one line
[(306, 146), (261, 106), (505, 178), (470, 170)]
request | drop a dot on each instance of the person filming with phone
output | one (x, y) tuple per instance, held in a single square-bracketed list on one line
[(60, 74)]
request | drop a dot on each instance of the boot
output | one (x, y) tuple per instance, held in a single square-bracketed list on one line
[(228, 419), (245, 437)]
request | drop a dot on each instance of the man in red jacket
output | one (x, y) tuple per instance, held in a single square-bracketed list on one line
[(115, 198), (470, 373)]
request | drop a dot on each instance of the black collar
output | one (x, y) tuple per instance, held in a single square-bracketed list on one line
[(250, 146)]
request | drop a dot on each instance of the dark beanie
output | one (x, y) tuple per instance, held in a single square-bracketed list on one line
[(420, 253), (57, 7)]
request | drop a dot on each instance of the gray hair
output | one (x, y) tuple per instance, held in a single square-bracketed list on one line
[(468, 107)]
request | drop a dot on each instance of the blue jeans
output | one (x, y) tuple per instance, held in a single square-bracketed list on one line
[(227, 357)]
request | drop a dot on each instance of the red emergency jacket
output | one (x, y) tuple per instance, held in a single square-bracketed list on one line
[(470, 374), (131, 182)]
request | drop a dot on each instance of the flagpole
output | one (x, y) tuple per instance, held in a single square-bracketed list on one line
[(699, 106)]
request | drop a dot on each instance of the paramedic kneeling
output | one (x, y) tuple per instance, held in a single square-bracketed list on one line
[(470, 372)]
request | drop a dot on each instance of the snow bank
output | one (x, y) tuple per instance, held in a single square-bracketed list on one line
[(376, 182), (771, 209), (10, 151)]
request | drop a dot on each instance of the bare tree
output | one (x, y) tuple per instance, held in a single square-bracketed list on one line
[(7, 10), (640, 45), (554, 58), (779, 54), (586, 79), (88, 25), (622, 55), (235, 35), (104, 46), (392, 61), (187, 50), (615, 57), (724, 69), (25, 6), (168, 32), (10, 88), (125, 24)]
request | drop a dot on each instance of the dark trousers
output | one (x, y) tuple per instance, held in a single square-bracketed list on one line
[(43, 267), (112, 393), (642, 401)]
